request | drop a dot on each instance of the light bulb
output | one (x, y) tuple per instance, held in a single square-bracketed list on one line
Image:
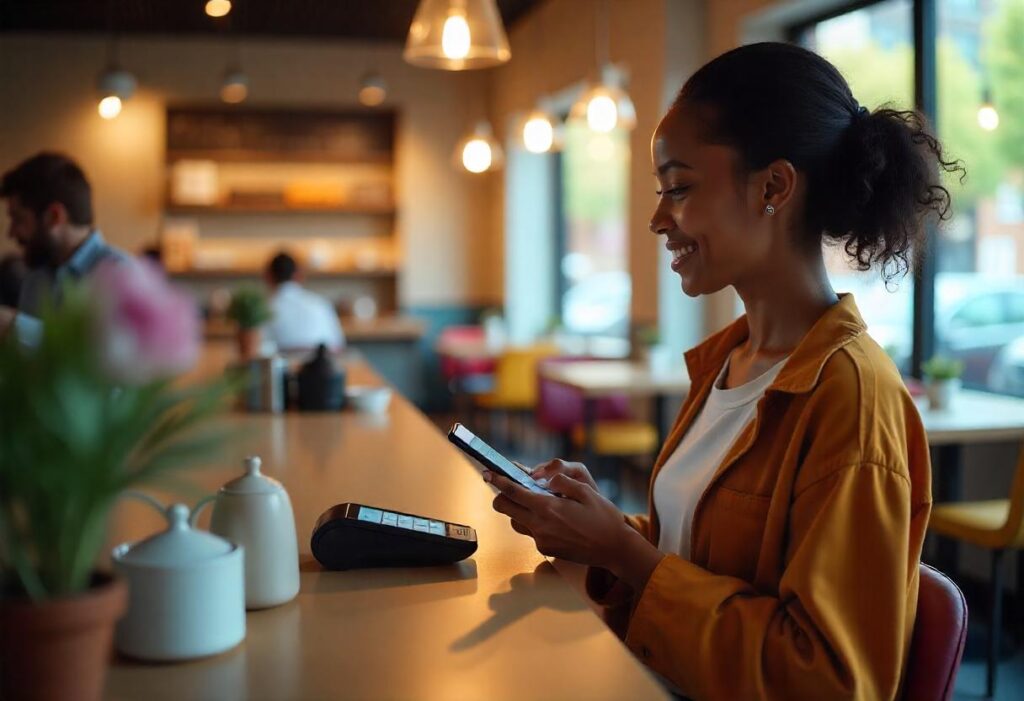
[(233, 93), (218, 8), (988, 118), (110, 106), (538, 134), (602, 114), (476, 155), (455, 38), (372, 90)]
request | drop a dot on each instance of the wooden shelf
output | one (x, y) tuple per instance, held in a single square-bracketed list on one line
[(200, 273), (261, 156), (178, 209)]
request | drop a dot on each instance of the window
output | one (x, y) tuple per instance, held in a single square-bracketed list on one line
[(980, 253), (873, 48), (595, 282)]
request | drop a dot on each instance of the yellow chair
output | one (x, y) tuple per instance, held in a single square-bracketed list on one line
[(515, 384), (515, 378), (619, 438), (996, 525)]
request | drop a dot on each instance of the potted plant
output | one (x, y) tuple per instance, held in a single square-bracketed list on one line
[(249, 310), (942, 380), (88, 412)]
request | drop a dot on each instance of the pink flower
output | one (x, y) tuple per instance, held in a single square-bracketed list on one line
[(146, 329)]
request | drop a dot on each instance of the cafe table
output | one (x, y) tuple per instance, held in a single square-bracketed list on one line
[(973, 417), (503, 624), (595, 379)]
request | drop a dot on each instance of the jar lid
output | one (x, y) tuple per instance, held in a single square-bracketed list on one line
[(178, 546), (253, 481)]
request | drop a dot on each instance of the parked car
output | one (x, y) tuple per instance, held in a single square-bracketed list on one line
[(976, 317), (1007, 371)]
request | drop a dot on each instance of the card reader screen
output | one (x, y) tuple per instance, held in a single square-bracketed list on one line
[(412, 523)]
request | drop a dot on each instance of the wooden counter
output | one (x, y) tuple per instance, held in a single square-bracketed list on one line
[(501, 625), (382, 328)]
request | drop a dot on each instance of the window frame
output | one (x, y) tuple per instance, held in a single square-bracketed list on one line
[(925, 40)]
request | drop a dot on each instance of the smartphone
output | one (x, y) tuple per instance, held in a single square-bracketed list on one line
[(476, 448)]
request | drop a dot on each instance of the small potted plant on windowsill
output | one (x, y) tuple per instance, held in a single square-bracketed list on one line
[(942, 381), (249, 310), (88, 412), (650, 350)]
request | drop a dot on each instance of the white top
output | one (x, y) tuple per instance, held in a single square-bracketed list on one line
[(303, 319), (688, 471)]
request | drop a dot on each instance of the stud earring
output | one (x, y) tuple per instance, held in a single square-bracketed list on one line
[(769, 210)]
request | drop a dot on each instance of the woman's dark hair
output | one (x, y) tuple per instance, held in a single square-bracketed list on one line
[(873, 177)]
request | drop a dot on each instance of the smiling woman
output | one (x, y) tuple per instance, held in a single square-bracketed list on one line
[(788, 507)]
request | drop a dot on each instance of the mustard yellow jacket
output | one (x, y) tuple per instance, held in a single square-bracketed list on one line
[(805, 546)]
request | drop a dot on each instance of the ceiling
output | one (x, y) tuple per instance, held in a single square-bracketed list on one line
[(372, 20)]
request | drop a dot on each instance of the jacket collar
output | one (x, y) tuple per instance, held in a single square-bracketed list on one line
[(839, 325)]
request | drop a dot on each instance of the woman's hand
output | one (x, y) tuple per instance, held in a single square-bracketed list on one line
[(581, 526), (576, 470)]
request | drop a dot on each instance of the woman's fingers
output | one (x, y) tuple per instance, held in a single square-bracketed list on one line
[(503, 505), (560, 467), (571, 488), (520, 528)]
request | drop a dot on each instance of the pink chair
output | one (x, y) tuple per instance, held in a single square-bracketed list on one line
[(456, 369), (560, 410), (938, 643)]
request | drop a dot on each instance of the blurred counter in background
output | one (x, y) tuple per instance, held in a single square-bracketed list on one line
[(389, 343)]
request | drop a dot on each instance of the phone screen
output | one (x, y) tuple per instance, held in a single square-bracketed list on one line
[(491, 458)]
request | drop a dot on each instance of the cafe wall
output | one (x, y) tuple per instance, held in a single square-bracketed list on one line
[(48, 101)]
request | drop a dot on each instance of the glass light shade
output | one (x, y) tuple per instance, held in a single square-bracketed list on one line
[(235, 87), (116, 81), (541, 132), (480, 152), (988, 117), (110, 106), (372, 90), (457, 35), (605, 107), (218, 8)]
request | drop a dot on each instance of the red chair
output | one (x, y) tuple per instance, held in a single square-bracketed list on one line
[(458, 368), (938, 643)]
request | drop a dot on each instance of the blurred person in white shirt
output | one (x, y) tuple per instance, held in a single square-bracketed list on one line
[(302, 319)]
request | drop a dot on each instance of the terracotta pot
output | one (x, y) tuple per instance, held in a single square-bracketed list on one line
[(60, 649), (248, 343)]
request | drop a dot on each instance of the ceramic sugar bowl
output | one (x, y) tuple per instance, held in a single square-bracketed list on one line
[(186, 592), (255, 511)]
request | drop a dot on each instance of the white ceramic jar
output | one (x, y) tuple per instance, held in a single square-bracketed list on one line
[(255, 512), (186, 593)]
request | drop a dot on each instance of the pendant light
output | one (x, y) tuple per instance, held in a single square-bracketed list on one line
[(218, 8), (988, 116), (604, 105), (541, 131), (115, 85), (480, 152), (373, 90), (457, 35), (234, 84), (234, 88)]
